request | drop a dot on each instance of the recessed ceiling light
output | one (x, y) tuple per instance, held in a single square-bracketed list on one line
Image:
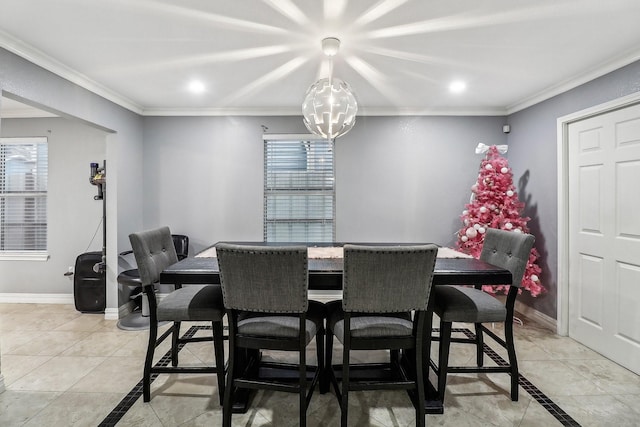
[(457, 86), (196, 86)]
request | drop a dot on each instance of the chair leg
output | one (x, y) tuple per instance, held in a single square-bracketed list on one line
[(175, 340), (443, 357), (227, 404), (344, 404), (420, 411), (394, 357), (302, 383), (513, 361), (328, 363), (218, 348), (479, 345), (148, 361)]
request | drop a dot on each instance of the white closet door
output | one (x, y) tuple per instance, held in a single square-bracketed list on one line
[(604, 234)]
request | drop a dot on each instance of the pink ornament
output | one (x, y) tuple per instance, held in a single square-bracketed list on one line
[(465, 212), (471, 232), (504, 170), (483, 209), (464, 238), (476, 226), (488, 167), (534, 277), (481, 230), (508, 226), (510, 193)]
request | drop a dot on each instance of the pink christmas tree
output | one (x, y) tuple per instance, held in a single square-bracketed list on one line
[(494, 204)]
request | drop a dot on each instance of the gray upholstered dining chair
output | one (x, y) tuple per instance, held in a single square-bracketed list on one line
[(154, 250), (506, 249), (129, 282), (386, 291), (265, 294)]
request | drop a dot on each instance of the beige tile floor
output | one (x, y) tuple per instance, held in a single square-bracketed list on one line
[(64, 368)]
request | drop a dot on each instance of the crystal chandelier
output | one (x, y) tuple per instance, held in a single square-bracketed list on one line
[(329, 108)]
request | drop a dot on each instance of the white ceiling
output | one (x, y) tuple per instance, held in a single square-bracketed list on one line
[(259, 57)]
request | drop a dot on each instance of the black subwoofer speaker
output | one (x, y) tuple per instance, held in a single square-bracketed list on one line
[(89, 289)]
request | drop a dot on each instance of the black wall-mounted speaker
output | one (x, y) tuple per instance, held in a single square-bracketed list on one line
[(89, 287)]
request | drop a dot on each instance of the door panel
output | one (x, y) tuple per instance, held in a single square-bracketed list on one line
[(592, 284), (590, 199), (627, 206), (628, 313)]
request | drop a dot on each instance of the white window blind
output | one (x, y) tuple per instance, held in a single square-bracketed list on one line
[(299, 190), (23, 195)]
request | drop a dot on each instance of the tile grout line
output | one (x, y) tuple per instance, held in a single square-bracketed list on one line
[(548, 404), (128, 401), (565, 419)]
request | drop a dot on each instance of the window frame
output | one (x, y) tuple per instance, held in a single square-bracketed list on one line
[(25, 254), (323, 191)]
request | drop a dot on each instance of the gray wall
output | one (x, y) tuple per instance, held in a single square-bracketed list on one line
[(203, 177), (407, 179), (533, 157), (22, 80), (73, 215), (397, 178)]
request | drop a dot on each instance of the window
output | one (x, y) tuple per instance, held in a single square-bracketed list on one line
[(23, 196), (299, 191)]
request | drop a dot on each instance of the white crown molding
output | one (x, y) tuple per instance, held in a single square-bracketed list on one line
[(371, 111), (41, 59), (205, 111), (575, 81), (415, 111)]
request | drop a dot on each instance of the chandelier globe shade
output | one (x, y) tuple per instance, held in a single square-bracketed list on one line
[(329, 108)]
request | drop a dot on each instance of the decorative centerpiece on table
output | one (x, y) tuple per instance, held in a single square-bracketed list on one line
[(494, 204)]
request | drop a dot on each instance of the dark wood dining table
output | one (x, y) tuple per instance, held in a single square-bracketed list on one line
[(325, 274)]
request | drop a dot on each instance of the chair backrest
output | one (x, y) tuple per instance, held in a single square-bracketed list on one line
[(508, 249), (154, 251), (271, 279), (387, 279), (181, 243)]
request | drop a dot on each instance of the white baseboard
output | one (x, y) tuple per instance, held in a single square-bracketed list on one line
[(109, 313), (323, 296), (535, 316), (37, 298)]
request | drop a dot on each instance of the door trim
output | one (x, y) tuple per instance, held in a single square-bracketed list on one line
[(563, 197)]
